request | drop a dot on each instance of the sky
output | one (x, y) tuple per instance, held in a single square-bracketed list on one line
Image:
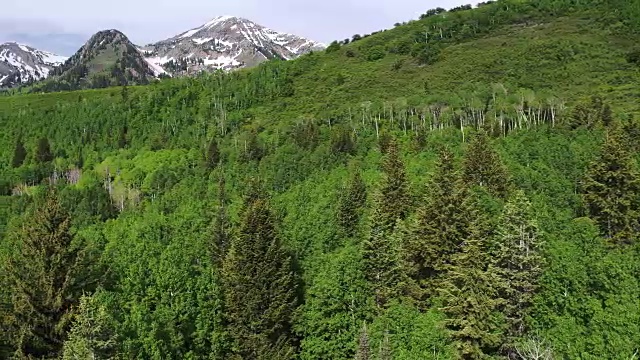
[(63, 26)]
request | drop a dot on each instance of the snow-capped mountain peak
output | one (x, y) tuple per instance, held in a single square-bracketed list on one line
[(226, 42), (21, 63)]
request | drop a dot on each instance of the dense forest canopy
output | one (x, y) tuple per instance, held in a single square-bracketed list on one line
[(462, 186)]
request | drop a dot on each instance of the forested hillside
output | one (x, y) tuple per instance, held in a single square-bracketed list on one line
[(462, 186)]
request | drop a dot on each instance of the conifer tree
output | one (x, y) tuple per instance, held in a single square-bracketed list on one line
[(380, 252), (260, 286), (352, 202), (610, 190), (437, 230), (395, 199), (43, 151), (92, 335), (46, 279), (482, 167), (364, 349), (385, 347), (212, 157), (470, 291), (19, 154), (518, 262), (122, 138), (222, 225)]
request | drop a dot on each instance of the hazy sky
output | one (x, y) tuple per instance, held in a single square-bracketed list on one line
[(63, 23)]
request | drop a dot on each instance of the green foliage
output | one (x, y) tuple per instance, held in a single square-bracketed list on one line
[(43, 151), (436, 230), (19, 154), (518, 261), (610, 190), (483, 167), (46, 278), (260, 286), (470, 291), (352, 202), (92, 335)]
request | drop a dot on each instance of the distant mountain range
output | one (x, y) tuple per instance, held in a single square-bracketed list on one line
[(109, 58), (23, 64)]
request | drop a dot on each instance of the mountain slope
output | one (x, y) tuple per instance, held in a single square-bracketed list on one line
[(21, 64), (107, 59), (227, 43)]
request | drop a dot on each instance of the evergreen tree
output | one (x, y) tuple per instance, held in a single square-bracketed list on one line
[(470, 291), (19, 154), (43, 151), (364, 349), (260, 286), (434, 235), (385, 347), (122, 138), (380, 249), (92, 335), (395, 199), (482, 167), (222, 225), (610, 190), (46, 279), (212, 157), (352, 202), (518, 262)]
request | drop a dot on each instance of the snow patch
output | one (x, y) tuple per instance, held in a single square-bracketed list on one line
[(157, 69), (201, 41)]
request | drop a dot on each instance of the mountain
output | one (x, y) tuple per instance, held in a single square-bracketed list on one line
[(226, 43), (107, 59), (22, 64)]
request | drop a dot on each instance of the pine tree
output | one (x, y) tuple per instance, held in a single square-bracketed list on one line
[(385, 347), (122, 138), (212, 157), (222, 225), (518, 262), (260, 286), (46, 279), (364, 350), (92, 335), (470, 291), (395, 198), (610, 190), (380, 249), (19, 154), (352, 202), (482, 167), (380, 256), (43, 151), (436, 232)]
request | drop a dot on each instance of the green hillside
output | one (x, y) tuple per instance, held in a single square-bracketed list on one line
[(463, 186)]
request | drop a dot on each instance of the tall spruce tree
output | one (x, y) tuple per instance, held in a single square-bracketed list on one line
[(610, 190), (518, 262), (364, 348), (43, 151), (437, 230), (380, 249), (19, 154), (222, 225), (212, 158), (470, 290), (92, 335), (260, 286), (396, 199), (482, 166), (352, 201), (46, 278)]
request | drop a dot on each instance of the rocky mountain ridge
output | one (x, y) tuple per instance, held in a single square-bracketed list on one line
[(20, 64)]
